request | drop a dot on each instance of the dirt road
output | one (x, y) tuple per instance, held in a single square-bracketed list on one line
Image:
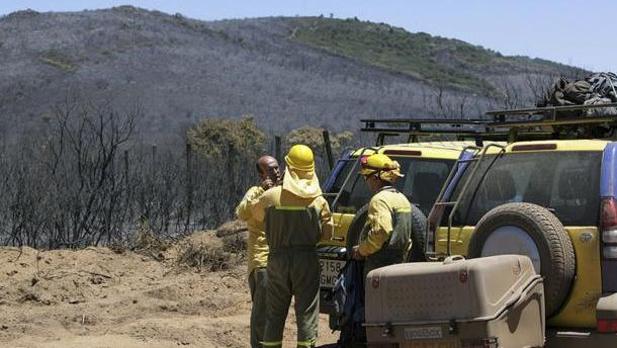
[(99, 298)]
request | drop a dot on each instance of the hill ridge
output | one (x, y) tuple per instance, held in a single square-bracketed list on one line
[(283, 70)]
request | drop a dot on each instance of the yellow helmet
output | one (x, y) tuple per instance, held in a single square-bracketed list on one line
[(300, 157), (382, 165)]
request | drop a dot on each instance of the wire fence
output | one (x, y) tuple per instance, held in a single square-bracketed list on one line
[(87, 182)]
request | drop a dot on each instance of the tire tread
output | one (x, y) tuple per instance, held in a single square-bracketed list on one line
[(561, 272)]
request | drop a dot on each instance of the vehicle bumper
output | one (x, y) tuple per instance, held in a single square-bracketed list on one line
[(581, 338), (606, 309)]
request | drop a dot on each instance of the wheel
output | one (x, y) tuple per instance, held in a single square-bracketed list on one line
[(355, 228), (418, 236), (531, 230)]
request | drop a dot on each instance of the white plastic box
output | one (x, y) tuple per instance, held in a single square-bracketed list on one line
[(495, 301)]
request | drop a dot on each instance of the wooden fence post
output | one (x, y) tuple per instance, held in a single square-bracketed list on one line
[(328, 145), (277, 148), (127, 183), (189, 188)]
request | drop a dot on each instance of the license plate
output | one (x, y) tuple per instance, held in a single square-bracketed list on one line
[(423, 333), (329, 271)]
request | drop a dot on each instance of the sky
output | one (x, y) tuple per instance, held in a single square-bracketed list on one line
[(574, 32)]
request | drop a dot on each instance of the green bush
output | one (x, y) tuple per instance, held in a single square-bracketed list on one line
[(233, 139), (421, 55)]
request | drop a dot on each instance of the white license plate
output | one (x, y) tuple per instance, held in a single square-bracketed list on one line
[(329, 271), (423, 333)]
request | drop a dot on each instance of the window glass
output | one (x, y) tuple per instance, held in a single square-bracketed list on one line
[(566, 183), (422, 183)]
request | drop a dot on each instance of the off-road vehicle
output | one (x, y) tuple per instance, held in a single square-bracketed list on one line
[(554, 200), (426, 166)]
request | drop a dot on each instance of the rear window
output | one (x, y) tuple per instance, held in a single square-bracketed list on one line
[(566, 183), (422, 183)]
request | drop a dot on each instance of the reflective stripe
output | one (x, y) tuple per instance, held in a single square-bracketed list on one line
[(272, 344), (289, 207), (403, 210), (309, 343)]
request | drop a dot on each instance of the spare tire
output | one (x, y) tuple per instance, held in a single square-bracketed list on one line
[(418, 233), (418, 236), (531, 230), (355, 228)]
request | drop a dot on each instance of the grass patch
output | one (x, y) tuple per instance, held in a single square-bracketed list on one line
[(58, 60), (421, 55), (436, 60)]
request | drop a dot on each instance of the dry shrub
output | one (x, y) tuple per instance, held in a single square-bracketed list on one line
[(203, 256), (119, 246), (231, 227), (235, 243), (147, 243)]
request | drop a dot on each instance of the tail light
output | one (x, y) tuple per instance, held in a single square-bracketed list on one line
[(610, 252), (609, 236), (608, 223), (609, 214), (607, 325), (608, 226)]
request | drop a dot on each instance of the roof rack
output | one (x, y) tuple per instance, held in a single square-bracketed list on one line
[(462, 128), (501, 125)]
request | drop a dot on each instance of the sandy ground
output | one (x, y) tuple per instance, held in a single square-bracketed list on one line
[(100, 298)]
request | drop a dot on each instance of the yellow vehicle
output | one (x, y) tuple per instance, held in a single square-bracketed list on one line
[(426, 166), (553, 200)]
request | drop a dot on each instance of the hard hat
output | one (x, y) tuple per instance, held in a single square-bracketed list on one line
[(377, 163), (300, 157)]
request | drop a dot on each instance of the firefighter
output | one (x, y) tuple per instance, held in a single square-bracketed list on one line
[(295, 216), (257, 248), (386, 237)]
